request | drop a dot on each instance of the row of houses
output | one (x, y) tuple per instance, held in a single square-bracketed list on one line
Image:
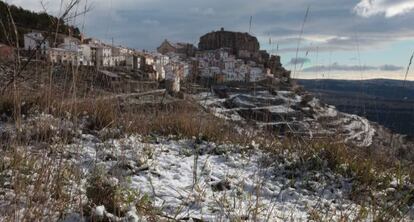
[(173, 62), (92, 52), (178, 59), (221, 65), (88, 52), (225, 67)]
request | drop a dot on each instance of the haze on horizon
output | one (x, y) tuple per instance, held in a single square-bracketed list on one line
[(342, 39)]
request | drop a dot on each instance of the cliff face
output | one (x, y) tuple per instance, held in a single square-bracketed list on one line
[(236, 41), (244, 46)]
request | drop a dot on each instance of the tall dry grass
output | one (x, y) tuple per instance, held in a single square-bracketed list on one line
[(34, 168)]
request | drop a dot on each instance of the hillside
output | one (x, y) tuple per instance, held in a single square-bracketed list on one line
[(223, 134), (387, 102), (126, 151), (26, 21)]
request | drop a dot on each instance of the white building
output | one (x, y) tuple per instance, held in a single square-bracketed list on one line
[(65, 56), (149, 60), (234, 76), (119, 55), (256, 74), (160, 71), (71, 40), (230, 64), (210, 72), (119, 60), (88, 57), (69, 46), (172, 77), (104, 56), (35, 40), (220, 63)]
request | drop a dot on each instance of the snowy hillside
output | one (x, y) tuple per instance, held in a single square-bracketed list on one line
[(210, 182), (285, 110), (190, 179)]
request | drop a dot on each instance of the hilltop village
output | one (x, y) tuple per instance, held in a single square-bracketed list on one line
[(217, 131), (221, 57), (228, 68)]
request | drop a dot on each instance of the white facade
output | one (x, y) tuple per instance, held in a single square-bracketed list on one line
[(119, 60), (159, 68), (256, 74), (149, 60), (172, 77), (64, 56), (185, 70), (104, 56), (70, 46), (71, 40), (235, 76), (86, 51), (210, 71), (34, 40), (170, 72), (224, 54), (230, 64), (213, 63)]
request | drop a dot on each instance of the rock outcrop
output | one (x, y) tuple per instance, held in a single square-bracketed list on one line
[(238, 42), (244, 46), (276, 67)]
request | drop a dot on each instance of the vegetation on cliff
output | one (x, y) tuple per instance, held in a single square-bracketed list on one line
[(27, 21)]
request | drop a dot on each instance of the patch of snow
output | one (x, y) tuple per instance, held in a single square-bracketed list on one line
[(358, 129), (282, 109), (99, 211), (321, 111), (212, 186)]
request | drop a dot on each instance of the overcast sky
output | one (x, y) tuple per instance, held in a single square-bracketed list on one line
[(343, 35)]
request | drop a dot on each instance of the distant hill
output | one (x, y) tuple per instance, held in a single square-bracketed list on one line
[(388, 102), (26, 21)]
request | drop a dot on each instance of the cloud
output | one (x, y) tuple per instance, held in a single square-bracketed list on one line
[(339, 67), (204, 12), (389, 8), (150, 22), (391, 68), (331, 26), (298, 61)]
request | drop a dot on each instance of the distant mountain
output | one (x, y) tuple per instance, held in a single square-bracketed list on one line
[(387, 102), (26, 21)]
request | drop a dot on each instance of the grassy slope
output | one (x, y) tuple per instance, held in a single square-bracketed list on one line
[(371, 172)]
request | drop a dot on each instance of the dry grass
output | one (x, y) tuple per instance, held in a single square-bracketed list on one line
[(184, 119), (372, 171), (38, 183)]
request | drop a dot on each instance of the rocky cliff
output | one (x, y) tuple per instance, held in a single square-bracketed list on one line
[(236, 41), (244, 46)]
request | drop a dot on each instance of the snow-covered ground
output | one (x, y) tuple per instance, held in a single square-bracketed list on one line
[(201, 180), (355, 129), (195, 179), (192, 179), (285, 108)]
